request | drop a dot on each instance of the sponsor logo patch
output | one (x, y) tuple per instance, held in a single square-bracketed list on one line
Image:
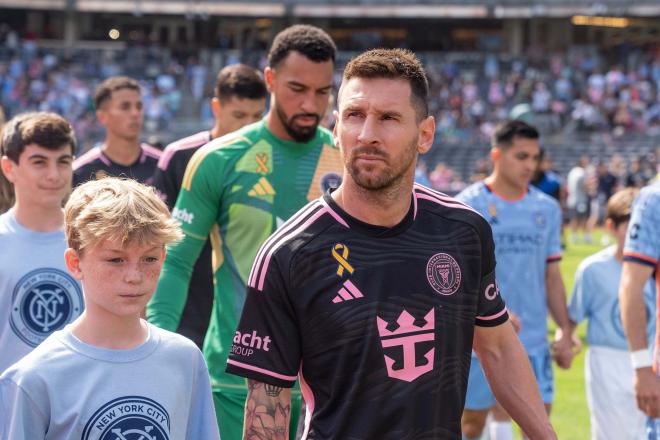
[(245, 343), (407, 335), (43, 301), (443, 274), (183, 215), (491, 292), (129, 418)]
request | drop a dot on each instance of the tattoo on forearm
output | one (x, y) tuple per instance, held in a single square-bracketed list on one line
[(267, 412)]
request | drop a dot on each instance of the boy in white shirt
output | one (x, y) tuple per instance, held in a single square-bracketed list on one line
[(111, 375)]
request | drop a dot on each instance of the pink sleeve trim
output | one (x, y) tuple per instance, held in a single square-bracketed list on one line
[(491, 317), (261, 370)]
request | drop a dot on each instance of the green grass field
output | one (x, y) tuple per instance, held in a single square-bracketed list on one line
[(570, 414)]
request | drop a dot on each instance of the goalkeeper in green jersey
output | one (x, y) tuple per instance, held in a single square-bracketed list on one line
[(238, 189)]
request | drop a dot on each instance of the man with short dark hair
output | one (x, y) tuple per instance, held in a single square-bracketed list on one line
[(240, 188), (526, 226), (37, 293), (373, 294), (240, 99), (118, 103)]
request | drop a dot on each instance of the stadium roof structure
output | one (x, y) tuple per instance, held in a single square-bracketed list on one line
[(355, 8)]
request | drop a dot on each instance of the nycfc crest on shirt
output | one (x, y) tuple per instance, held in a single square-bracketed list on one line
[(129, 418), (43, 301)]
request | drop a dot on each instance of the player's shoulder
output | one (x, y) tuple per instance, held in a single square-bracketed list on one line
[(151, 152), (649, 197), (472, 192), (6, 223), (542, 199), (173, 341), (325, 136), (598, 262), (308, 224), (451, 208), (181, 149), (88, 159), (231, 146), (36, 369)]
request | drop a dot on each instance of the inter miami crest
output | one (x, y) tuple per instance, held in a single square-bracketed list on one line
[(443, 274), (43, 301), (129, 418)]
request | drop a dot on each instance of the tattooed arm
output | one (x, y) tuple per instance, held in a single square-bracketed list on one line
[(267, 412)]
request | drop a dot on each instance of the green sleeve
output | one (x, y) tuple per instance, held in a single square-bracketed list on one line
[(165, 308), (197, 210)]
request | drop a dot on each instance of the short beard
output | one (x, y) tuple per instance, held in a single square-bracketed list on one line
[(303, 134), (391, 177)]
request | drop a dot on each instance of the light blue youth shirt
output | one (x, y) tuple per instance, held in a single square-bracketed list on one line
[(37, 293), (527, 237), (66, 389), (595, 297)]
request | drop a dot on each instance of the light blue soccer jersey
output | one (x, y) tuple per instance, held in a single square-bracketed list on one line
[(595, 297), (527, 236), (643, 239), (66, 389), (37, 293)]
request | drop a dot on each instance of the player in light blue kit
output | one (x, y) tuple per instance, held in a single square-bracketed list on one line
[(526, 229), (608, 371), (110, 375), (37, 294), (641, 259)]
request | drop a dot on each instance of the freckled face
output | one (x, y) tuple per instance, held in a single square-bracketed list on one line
[(117, 279)]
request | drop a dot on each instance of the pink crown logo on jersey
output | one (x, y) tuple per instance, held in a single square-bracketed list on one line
[(407, 335)]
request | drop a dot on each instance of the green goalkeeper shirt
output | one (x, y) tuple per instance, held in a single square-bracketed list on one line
[(237, 189)]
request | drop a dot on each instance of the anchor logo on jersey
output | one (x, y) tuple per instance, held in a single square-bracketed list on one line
[(407, 336), (43, 301), (129, 418)]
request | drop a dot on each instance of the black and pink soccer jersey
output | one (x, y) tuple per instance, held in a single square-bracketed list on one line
[(376, 322), (95, 164)]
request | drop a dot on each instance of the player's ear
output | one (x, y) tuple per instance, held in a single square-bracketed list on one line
[(216, 105), (7, 168), (495, 153), (269, 76), (72, 260), (426, 133)]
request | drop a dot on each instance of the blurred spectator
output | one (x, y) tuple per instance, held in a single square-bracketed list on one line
[(546, 179), (577, 201)]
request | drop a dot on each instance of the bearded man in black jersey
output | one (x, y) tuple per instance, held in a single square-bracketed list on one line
[(372, 295)]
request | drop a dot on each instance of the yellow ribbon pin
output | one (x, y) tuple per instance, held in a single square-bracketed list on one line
[(342, 259)]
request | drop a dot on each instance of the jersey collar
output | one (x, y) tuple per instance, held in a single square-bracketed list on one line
[(369, 229)]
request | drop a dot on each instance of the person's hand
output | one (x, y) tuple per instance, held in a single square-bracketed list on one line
[(647, 391), (565, 347)]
